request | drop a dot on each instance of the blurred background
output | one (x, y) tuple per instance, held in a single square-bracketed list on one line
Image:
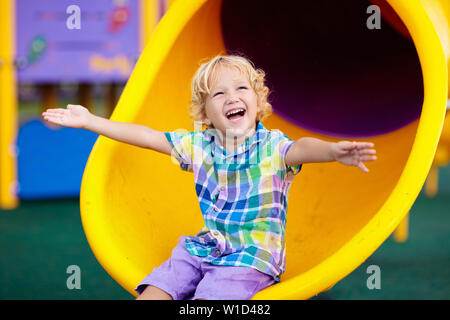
[(59, 60)]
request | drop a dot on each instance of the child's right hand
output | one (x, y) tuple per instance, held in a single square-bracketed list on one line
[(74, 116)]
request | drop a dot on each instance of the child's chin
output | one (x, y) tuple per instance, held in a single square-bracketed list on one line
[(238, 132)]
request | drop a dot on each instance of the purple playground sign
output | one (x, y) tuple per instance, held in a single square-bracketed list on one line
[(76, 40)]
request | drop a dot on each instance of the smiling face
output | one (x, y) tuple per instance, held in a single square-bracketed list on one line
[(232, 104)]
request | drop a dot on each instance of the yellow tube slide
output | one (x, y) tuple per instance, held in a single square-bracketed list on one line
[(136, 203)]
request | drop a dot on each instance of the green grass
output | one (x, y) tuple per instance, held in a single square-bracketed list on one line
[(416, 269), (38, 241)]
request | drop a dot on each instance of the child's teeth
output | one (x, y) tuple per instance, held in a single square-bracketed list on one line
[(234, 112)]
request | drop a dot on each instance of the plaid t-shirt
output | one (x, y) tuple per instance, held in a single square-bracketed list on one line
[(242, 196)]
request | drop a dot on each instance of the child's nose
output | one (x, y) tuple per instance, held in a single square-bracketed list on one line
[(231, 98)]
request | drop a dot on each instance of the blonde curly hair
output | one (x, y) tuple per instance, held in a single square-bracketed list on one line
[(208, 72)]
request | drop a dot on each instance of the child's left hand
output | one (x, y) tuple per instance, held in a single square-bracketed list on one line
[(354, 153)]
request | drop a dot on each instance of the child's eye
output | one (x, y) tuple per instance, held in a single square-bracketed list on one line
[(217, 93), (242, 87)]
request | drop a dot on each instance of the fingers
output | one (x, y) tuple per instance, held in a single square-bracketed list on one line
[(360, 150), (357, 159), (53, 118), (366, 152), (368, 158), (362, 159), (347, 145), (364, 145), (54, 111), (357, 145), (363, 167), (54, 115), (61, 110), (355, 153)]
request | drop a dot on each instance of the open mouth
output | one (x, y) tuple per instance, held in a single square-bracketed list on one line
[(235, 114)]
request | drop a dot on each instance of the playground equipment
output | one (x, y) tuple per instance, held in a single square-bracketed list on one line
[(333, 78), (441, 159), (38, 47), (8, 108)]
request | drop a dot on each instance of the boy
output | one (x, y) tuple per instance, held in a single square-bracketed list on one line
[(242, 174)]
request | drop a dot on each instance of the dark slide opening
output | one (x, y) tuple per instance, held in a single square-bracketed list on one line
[(328, 72)]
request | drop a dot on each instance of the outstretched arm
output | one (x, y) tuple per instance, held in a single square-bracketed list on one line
[(79, 117), (310, 150)]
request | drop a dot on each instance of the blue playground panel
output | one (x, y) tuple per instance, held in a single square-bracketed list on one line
[(51, 162)]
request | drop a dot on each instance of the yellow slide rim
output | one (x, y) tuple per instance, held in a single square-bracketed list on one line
[(368, 239)]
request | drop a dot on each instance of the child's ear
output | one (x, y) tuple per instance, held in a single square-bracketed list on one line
[(258, 103), (206, 121), (258, 111)]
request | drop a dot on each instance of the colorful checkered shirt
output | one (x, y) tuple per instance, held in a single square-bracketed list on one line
[(242, 196)]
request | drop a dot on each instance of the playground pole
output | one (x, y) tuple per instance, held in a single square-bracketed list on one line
[(148, 21), (8, 108), (151, 13)]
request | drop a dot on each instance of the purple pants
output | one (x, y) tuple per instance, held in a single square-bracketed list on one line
[(186, 277)]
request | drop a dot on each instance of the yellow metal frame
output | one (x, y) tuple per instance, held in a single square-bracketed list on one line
[(441, 159), (135, 203), (149, 11), (8, 107), (148, 20)]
